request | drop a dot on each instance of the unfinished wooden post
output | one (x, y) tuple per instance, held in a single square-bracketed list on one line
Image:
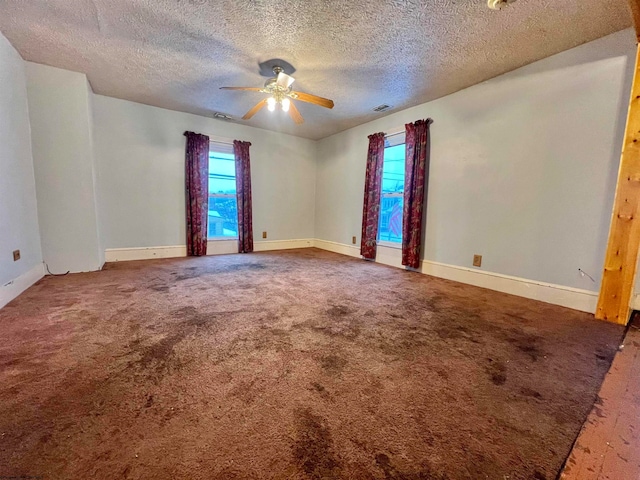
[(621, 258)]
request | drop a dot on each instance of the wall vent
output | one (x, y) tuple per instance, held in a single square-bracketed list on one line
[(222, 116), (382, 108)]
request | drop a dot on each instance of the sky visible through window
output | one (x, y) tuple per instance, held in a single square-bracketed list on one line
[(223, 204), (391, 201)]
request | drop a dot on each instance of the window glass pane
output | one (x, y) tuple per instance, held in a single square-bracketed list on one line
[(223, 205), (391, 201)]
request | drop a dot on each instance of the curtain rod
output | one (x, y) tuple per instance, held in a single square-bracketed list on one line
[(220, 141), (394, 134), (217, 139)]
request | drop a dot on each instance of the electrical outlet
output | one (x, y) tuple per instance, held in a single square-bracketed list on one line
[(477, 260), (353, 240), (16, 255), (264, 234)]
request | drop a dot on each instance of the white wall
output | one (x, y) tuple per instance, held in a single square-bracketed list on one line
[(61, 125), (523, 167), (18, 210), (140, 158)]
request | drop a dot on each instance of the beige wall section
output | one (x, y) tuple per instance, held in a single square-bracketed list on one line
[(61, 126), (523, 167), (140, 157), (18, 209)]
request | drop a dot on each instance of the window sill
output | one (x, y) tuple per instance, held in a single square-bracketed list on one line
[(221, 239), (395, 245)]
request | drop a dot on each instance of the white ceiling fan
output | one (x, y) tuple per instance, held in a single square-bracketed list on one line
[(282, 95)]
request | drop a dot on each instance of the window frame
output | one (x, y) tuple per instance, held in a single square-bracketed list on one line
[(221, 149), (391, 140)]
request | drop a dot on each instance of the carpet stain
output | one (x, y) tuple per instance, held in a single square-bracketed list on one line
[(529, 346), (333, 364), (193, 317), (242, 266), (529, 392), (159, 288), (497, 371), (187, 276), (392, 473), (319, 388), (402, 344), (158, 353), (313, 448), (604, 356), (524, 342), (248, 391), (348, 330), (454, 332), (338, 311), (276, 339)]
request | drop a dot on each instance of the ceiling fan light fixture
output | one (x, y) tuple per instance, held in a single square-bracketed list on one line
[(286, 103), (498, 4), (271, 104)]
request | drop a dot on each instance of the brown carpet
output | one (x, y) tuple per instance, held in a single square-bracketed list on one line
[(290, 365)]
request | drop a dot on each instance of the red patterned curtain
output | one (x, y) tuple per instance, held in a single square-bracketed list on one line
[(372, 189), (197, 190), (415, 181), (243, 192)]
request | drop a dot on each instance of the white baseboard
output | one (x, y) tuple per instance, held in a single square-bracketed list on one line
[(266, 245), (342, 248), (12, 289), (635, 302), (214, 247), (577, 299), (143, 253)]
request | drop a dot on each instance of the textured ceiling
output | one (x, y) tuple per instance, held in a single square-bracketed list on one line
[(361, 53)]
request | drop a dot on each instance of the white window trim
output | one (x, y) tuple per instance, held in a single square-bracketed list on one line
[(384, 243), (397, 133), (221, 239)]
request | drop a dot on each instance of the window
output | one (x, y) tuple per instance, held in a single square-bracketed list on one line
[(223, 204), (391, 200)]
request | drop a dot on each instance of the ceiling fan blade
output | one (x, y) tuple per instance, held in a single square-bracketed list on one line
[(284, 80), (253, 89), (255, 109), (306, 97), (294, 113)]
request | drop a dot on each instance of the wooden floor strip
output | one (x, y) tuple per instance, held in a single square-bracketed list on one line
[(608, 446)]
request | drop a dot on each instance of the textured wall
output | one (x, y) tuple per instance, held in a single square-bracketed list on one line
[(61, 126), (523, 167), (140, 155), (18, 211)]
